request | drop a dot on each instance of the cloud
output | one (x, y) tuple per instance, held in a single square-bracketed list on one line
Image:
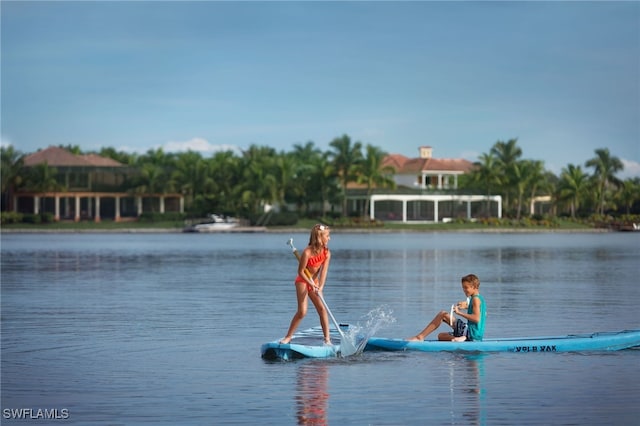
[(631, 169), (5, 142), (198, 145)]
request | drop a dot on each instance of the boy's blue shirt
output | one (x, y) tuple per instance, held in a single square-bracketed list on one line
[(476, 330)]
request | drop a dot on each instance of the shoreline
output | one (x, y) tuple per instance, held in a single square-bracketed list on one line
[(266, 230)]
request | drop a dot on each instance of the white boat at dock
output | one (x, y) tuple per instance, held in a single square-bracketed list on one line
[(213, 224)]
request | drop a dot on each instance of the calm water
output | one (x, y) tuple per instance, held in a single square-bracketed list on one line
[(166, 329)]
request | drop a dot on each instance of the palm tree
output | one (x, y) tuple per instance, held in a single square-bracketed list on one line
[(573, 186), (155, 173), (306, 152), (284, 175), (507, 155), (11, 178), (605, 167), (486, 175), (259, 185), (151, 179), (303, 190), (345, 159), (325, 182), (371, 173), (547, 185), (316, 182), (191, 175), (629, 193), (529, 175), (537, 177), (223, 182)]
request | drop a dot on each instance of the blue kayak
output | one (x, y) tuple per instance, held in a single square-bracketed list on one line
[(603, 341), (306, 344)]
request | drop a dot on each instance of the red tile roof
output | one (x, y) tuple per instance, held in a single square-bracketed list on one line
[(396, 161), (404, 165), (59, 157)]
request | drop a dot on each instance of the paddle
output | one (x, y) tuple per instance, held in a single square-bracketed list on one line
[(451, 312), (451, 316), (347, 348)]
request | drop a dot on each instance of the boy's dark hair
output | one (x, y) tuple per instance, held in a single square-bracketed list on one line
[(472, 279)]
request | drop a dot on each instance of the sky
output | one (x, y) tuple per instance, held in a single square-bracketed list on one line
[(563, 78)]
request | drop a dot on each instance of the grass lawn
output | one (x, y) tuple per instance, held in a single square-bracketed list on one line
[(558, 225), (92, 226), (176, 226)]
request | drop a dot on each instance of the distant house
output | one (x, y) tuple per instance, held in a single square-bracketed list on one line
[(89, 187), (427, 192), (426, 172)]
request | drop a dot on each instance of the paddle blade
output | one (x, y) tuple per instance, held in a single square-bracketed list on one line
[(347, 348)]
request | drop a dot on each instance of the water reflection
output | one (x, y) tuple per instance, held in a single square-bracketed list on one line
[(312, 395), (466, 376)]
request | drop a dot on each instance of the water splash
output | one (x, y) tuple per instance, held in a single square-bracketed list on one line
[(358, 334), (374, 320)]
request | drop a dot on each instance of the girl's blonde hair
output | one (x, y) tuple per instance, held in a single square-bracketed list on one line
[(314, 236)]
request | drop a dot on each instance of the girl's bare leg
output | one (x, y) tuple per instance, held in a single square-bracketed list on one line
[(324, 316), (441, 317), (301, 294)]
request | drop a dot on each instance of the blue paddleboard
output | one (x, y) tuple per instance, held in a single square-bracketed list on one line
[(603, 341), (305, 344)]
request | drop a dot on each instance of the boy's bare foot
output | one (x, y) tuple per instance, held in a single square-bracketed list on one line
[(285, 340), (328, 343), (459, 339), (414, 339)]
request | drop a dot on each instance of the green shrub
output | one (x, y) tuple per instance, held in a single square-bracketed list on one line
[(10, 217), (46, 218), (283, 219), (32, 218)]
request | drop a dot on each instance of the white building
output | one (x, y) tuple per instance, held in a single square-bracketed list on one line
[(427, 192)]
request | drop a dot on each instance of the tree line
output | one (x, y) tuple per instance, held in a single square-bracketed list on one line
[(230, 183), (309, 179), (575, 192)]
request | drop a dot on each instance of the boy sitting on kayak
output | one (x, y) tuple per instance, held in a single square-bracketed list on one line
[(475, 315)]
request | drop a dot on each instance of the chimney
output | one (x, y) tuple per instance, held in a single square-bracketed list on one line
[(425, 152)]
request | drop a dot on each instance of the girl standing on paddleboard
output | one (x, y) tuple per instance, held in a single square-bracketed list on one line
[(315, 259)]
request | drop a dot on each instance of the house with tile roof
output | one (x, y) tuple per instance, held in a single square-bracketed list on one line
[(428, 192), (89, 187), (426, 172), (59, 157)]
